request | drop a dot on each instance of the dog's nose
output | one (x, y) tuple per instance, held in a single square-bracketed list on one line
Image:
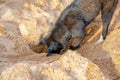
[(49, 52), (53, 51)]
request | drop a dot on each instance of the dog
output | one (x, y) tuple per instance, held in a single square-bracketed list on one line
[(73, 21)]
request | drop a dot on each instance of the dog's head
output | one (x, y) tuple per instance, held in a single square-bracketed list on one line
[(53, 46)]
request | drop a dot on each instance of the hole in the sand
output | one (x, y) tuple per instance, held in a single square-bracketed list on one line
[(38, 48)]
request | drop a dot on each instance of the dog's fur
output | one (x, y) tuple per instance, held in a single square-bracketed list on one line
[(73, 21)]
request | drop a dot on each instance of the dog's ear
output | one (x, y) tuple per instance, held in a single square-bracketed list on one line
[(45, 40)]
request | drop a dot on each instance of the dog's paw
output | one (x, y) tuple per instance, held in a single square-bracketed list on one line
[(100, 40), (73, 48)]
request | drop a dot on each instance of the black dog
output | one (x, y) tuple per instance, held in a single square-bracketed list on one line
[(73, 21)]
